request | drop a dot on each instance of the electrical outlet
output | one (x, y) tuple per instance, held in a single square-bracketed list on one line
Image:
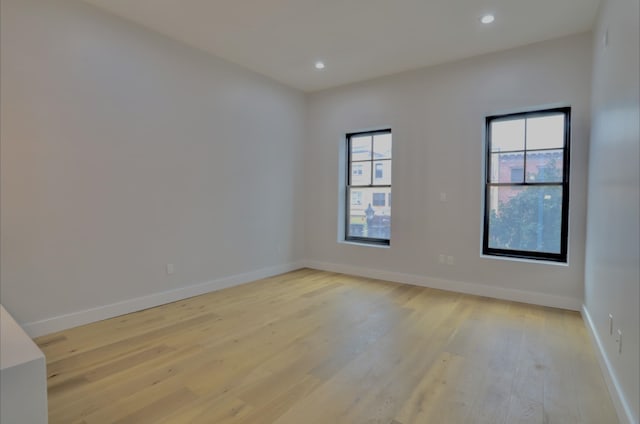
[(450, 260), (611, 324), (619, 341), (170, 269), (441, 259)]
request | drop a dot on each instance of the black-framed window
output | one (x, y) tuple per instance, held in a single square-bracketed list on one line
[(527, 185), (368, 216)]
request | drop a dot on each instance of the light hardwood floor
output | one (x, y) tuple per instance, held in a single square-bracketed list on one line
[(315, 347)]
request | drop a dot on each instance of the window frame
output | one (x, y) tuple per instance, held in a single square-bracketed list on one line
[(564, 184), (348, 186)]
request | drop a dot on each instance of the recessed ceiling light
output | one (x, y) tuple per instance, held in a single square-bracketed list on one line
[(487, 19), (319, 65)]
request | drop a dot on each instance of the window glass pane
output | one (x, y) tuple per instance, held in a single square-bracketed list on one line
[(378, 199), (544, 166), (507, 167), (382, 172), (545, 132), (361, 147), (525, 218), (369, 215), (507, 135), (382, 146), (517, 175), (356, 198), (360, 173)]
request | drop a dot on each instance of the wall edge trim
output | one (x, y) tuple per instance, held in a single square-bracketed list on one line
[(615, 390)]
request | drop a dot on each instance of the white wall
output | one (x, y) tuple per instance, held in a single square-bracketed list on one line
[(123, 151), (437, 117), (612, 274), (23, 375)]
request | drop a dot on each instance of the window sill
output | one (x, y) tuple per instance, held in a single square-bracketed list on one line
[(364, 244), (525, 260)]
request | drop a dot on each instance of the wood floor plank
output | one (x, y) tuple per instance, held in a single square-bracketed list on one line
[(102, 393), (560, 403), (383, 375), (316, 347), (206, 410), (156, 410), (527, 391), (428, 400)]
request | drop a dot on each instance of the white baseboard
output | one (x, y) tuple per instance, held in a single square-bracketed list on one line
[(74, 319), (617, 395), (456, 286)]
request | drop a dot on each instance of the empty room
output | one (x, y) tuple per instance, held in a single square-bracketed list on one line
[(319, 212)]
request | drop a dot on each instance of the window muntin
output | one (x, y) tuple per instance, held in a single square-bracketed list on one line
[(527, 185), (368, 214)]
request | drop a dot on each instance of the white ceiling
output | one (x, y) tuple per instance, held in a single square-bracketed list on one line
[(358, 39)]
